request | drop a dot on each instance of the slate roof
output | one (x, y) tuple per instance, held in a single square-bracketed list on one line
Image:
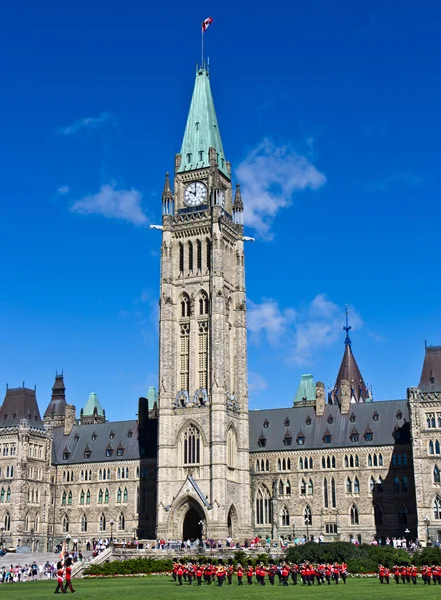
[(349, 371), (20, 403), (95, 438), (431, 373), (57, 403), (339, 426)]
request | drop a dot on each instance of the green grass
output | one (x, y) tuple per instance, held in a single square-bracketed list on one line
[(140, 588)]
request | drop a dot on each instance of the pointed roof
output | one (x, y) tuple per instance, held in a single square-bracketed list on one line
[(349, 371), (20, 404), (238, 202), (202, 130), (57, 403), (431, 374), (91, 404), (306, 389), (152, 396), (167, 194)]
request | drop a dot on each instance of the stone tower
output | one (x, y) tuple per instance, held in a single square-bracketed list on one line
[(203, 446)]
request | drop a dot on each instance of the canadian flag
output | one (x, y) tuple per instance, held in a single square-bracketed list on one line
[(206, 24)]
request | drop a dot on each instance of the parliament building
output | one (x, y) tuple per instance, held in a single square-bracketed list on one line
[(197, 462)]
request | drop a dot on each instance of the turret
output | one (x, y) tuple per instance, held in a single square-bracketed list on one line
[(167, 197), (238, 206)]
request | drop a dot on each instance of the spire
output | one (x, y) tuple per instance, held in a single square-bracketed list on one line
[(349, 371), (57, 403), (167, 197), (238, 206), (431, 373), (202, 131), (347, 328)]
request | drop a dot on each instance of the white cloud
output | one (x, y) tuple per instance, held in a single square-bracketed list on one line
[(302, 333), (269, 319), (113, 204), (256, 383), (269, 177), (63, 190), (98, 122)]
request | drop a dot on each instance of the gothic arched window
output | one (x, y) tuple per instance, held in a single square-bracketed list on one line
[(301, 463), (380, 460), (310, 487), (65, 524), (303, 488), (348, 486), (191, 446), (203, 304), (437, 508), (231, 449), (190, 256), (82, 496), (285, 517), (333, 493), (307, 515), (288, 487), (431, 447), (357, 462), (185, 306), (372, 484), (369, 460), (405, 484), (83, 523), (7, 522), (125, 495), (281, 488), (69, 498), (119, 495), (402, 515), (356, 486), (199, 255), (257, 465), (106, 496), (121, 522), (208, 254), (100, 497), (436, 474), (102, 522), (325, 493), (396, 483), (437, 449), (263, 506), (351, 461), (88, 497), (354, 515), (181, 257)]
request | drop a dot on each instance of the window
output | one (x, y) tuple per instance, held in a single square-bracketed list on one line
[(405, 484), (181, 258), (394, 460), (402, 515), (257, 468), (355, 436), (368, 435), (323, 462), (308, 420), (287, 422), (120, 452), (8, 495), (357, 462), (375, 416), (203, 304), (88, 497), (102, 523), (263, 506), (129, 433), (404, 460), (100, 496), (231, 449), (375, 461), (437, 447), (372, 484), (327, 438), (301, 463), (310, 487), (288, 487), (303, 488), (348, 486), (119, 495), (346, 462), (399, 415), (83, 524), (87, 453), (331, 527), (301, 439), (261, 442), (94, 436), (308, 516), (352, 418), (287, 440), (65, 524), (430, 419), (396, 484), (190, 256), (285, 517), (281, 488), (106, 496), (125, 495), (354, 515), (333, 493), (369, 460), (356, 486), (330, 419), (192, 446), (378, 512), (121, 522), (325, 493), (266, 424), (185, 306), (199, 255), (109, 452), (63, 498), (185, 347), (380, 460), (437, 508), (436, 475), (208, 252), (82, 496), (333, 462)]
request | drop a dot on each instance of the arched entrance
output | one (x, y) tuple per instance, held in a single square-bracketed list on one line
[(192, 526), (231, 521)]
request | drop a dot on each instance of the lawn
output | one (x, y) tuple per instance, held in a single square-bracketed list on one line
[(135, 588)]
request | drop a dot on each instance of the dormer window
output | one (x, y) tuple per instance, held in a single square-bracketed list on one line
[(399, 415), (197, 125), (355, 436), (111, 435), (368, 435), (330, 420), (308, 420), (287, 422), (300, 439), (87, 453), (375, 416), (94, 436), (76, 437), (266, 423), (109, 451), (66, 455), (119, 451), (261, 442), (352, 418), (201, 155), (130, 433), (327, 438), (287, 440), (189, 158)]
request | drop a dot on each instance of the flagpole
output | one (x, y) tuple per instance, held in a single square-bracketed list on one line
[(202, 35)]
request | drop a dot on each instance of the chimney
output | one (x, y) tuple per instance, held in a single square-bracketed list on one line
[(345, 396), (70, 419), (320, 398), (143, 412)]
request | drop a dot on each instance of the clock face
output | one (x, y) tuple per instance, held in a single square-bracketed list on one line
[(195, 194)]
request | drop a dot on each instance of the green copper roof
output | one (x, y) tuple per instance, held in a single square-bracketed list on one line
[(306, 389), (152, 396), (202, 131), (91, 403)]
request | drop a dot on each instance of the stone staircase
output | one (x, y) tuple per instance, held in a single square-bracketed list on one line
[(80, 566)]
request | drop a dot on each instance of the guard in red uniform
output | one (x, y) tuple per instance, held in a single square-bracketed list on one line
[(68, 571), (60, 574), (180, 572), (250, 573), (199, 572), (285, 573), (396, 573), (239, 571), (230, 571)]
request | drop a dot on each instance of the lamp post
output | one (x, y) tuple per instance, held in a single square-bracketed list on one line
[(307, 528), (49, 545), (67, 541), (111, 523), (2, 528), (427, 523)]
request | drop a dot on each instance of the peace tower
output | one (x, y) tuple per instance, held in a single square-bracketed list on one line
[(203, 430)]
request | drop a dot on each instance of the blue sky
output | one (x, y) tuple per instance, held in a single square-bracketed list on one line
[(329, 113)]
